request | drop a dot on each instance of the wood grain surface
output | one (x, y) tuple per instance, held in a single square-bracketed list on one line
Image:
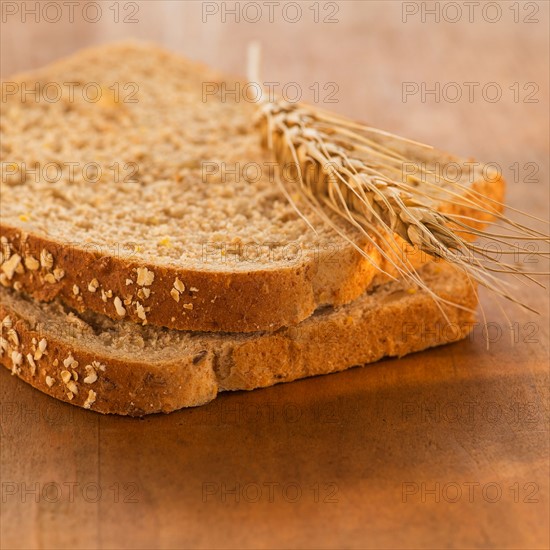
[(442, 449)]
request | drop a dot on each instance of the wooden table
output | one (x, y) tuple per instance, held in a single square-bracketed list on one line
[(443, 449)]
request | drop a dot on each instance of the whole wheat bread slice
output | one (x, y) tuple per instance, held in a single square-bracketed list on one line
[(167, 245), (124, 368)]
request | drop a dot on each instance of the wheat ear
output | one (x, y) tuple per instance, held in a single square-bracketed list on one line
[(342, 167)]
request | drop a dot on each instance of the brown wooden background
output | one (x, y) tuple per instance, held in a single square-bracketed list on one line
[(364, 447)]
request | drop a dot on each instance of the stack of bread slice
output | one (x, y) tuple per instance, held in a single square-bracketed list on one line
[(149, 259)]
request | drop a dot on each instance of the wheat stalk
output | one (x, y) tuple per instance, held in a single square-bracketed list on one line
[(342, 167)]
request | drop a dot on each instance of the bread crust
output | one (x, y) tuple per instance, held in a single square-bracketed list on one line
[(394, 320)]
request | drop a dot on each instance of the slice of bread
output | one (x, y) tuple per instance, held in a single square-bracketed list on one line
[(124, 368), (158, 238)]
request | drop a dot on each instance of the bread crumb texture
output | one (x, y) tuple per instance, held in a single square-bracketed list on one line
[(160, 174)]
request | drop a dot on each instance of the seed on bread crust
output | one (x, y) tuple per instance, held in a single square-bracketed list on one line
[(144, 276), (9, 266), (93, 285), (42, 345), (32, 364), (50, 278), (3, 345), (90, 400), (140, 311), (179, 286), (31, 263), (91, 375), (121, 311), (17, 360), (175, 294), (46, 259), (14, 337), (144, 293), (70, 361), (98, 365)]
